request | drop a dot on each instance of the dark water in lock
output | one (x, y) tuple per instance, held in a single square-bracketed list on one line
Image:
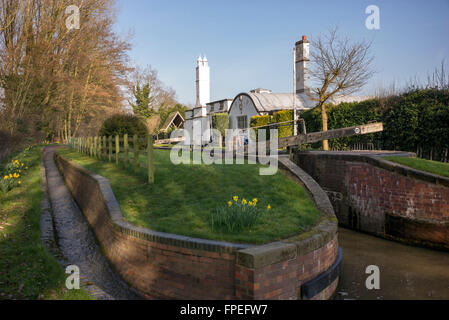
[(406, 272)]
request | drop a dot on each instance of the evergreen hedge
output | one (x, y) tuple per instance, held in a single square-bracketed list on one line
[(283, 116), (220, 121), (416, 121), (257, 121)]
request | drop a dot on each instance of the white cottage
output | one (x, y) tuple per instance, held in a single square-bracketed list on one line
[(256, 102)]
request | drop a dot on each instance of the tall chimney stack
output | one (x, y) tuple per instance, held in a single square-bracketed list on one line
[(302, 66), (202, 82)]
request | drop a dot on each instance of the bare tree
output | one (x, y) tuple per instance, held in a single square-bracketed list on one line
[(339, 66), (55, 78)]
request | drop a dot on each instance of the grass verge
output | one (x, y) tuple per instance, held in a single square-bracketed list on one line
[(27, 269), (435, 167), (184, 196)]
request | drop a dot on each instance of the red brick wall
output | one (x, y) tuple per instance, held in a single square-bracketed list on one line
[(380, 190), (369, 194)]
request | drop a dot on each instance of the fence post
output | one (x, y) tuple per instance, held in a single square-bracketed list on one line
[(150, 160), (105, 150), (125, 143), (136, 153), (117, 148), (95, 146), (100, 146), (110, 148)]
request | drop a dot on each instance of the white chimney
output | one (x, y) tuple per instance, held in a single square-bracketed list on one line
[(202, 82), (302, 66)]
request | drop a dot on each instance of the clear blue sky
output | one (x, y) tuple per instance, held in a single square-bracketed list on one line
[(249, 43)]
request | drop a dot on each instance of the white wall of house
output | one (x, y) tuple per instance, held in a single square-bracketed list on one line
[(241, 107)]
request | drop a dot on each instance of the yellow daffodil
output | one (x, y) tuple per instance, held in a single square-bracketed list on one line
[(6, 177), (250, 203), (244, 202), (229, 203), (22, 165), (10, 176), (20, 182), (268, 207), (255, 200), (236, 198)]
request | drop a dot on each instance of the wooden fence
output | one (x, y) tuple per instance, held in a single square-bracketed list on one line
[(126, 150)]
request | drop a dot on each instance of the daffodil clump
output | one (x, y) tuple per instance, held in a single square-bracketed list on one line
[(238, 215), (11, 177)]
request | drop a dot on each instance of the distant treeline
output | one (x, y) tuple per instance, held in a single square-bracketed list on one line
[(416, 121)]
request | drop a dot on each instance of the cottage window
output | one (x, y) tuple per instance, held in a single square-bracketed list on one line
[(242, 122)]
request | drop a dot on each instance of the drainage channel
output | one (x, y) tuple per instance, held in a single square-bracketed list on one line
[(69, 237)]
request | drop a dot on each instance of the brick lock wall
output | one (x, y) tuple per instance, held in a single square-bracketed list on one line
[(387, 200)]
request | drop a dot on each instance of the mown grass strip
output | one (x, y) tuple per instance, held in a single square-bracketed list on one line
[(435, 167)]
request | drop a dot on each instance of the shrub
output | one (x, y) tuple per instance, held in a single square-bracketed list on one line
[(283, 116), (220, 121), (120, 124), (257, 121), (237, 215)]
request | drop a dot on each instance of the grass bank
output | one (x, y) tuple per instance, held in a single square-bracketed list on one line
[(27, 269), (435, 167), (184, 196)]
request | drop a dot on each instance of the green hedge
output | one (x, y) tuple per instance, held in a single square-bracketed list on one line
[(283, 116), (416, 121), (257, 121)]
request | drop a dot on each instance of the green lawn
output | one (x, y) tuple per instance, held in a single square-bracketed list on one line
[(439, 168), (27, 269), (183, 197)]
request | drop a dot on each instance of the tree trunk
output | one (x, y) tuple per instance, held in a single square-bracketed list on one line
[(324, 125)]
